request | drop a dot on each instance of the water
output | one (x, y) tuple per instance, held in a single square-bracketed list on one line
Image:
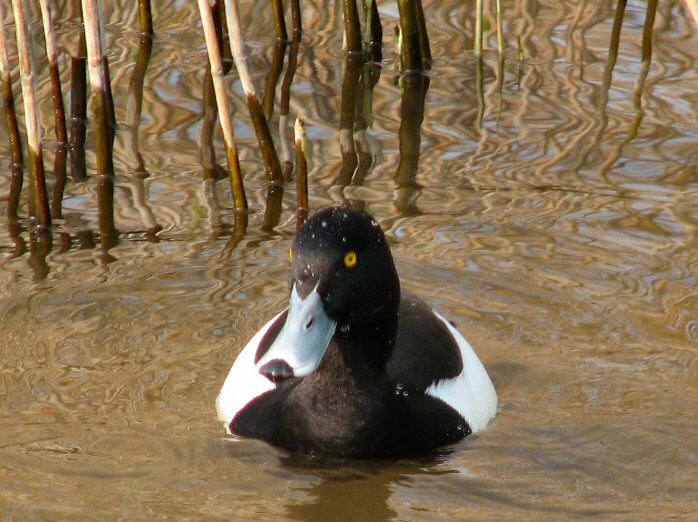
[(559, 234)]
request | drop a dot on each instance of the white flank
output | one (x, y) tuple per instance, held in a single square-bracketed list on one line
[(471, 393), (244, 382)]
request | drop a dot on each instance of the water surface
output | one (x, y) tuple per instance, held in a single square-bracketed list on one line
[(551, 215)]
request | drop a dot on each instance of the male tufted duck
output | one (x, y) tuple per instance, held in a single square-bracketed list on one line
[(354, 367)]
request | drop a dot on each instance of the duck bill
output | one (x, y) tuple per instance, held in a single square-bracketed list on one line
[(302, 342)]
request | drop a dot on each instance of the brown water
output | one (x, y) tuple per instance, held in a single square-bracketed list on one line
[(554, 220)]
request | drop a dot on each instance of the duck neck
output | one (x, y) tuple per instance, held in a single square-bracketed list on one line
[(369, 346)]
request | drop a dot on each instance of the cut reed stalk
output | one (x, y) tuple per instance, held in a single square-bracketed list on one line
[(214, 56), (261, 127), (26, 67), (301, 139), (7, 96), (52, 54), (279, 22)]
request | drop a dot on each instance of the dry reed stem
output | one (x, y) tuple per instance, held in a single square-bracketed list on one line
[(8, 98), (98, 85), (261, 127), (214, 56), (26, 67)]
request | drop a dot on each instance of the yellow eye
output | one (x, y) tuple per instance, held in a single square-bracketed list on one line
[(290, 253), (350, 259)]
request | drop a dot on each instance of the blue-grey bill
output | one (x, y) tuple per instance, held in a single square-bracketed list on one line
[(302, 341)]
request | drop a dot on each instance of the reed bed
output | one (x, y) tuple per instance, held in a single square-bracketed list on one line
[(363, 45)]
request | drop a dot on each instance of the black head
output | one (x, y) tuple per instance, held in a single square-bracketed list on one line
[(344, 252)]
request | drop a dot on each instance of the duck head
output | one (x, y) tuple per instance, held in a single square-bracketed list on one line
[(344, 285)]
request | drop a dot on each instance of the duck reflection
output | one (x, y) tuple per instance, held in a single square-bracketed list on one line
[(354, 490)]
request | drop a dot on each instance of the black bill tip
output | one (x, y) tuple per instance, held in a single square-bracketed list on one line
[(277, 370)]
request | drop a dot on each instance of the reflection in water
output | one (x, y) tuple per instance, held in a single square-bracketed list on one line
[(344, 493), (414, 91), (556, 225)]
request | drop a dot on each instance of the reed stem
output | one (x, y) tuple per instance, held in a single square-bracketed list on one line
[(478, 26), (8, 97), (373, 31), (424, 49), (52, 54), (500, 28), (261, 127), (297, 21), (214, 56), (411, 49), (352, 27), (145, 17), (26, 67), (279, 22), (277, 65), (98, 85)]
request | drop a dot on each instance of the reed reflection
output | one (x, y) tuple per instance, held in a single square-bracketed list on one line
[(284, 103), (133, 189), (414, 91)]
